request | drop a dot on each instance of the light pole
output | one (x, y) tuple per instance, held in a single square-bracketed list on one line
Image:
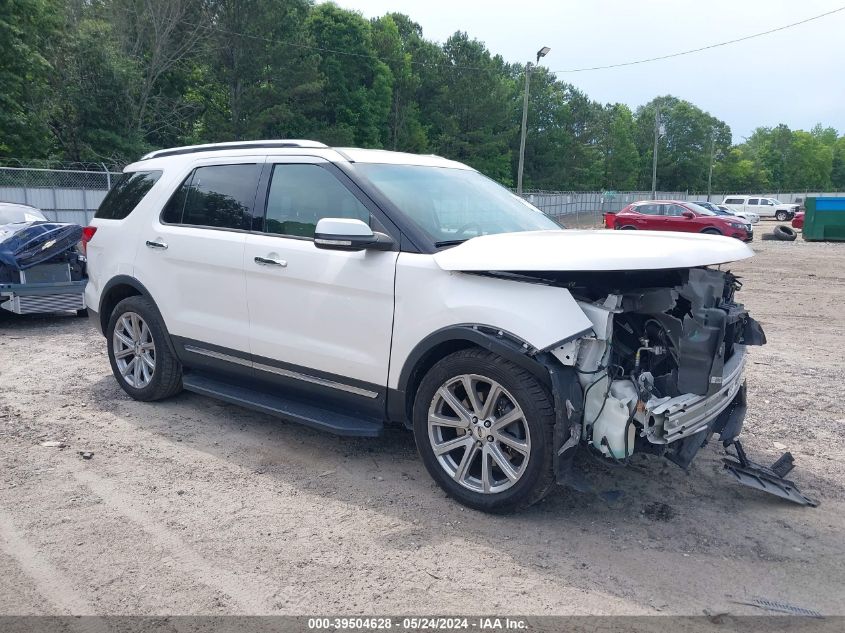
[(712, 154), (654, 156), (541, 53)]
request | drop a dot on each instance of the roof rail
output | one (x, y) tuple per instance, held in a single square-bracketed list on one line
[(213, 147)]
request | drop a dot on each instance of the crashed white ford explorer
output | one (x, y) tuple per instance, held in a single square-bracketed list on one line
[(347, 289)]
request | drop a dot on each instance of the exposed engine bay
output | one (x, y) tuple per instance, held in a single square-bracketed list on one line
[(662, 361)]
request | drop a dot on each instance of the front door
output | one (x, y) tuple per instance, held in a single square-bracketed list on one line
[(320, 320)]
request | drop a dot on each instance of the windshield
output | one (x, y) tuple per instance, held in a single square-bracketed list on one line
[(13, 215), (453, 205), (773, 200), (699, 209)]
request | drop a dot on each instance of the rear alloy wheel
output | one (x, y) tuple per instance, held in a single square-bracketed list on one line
[(627, 228), (483, 428), (141, 356), (781, 216)]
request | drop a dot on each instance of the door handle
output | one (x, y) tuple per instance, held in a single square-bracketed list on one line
[(266, 261), (158, 245)]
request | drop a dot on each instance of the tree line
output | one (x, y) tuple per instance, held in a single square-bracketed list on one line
[(108, 80)]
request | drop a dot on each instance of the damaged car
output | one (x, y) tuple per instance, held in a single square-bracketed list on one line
[(41, 267), (348, 289)]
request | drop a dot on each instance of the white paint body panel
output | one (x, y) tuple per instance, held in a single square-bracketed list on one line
[(576, 251), (429, 299), (326, 310)]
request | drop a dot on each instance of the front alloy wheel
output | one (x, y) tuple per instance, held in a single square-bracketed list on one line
[(134, 350), (483, 427), (479, 434)]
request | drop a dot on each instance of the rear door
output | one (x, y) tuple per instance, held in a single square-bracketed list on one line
[(320, 320), (191, 257)]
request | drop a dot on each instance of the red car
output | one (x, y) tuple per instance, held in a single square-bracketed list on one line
[(672, 215), (798, 220)]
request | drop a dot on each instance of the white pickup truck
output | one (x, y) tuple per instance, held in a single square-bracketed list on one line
[(764, 207)]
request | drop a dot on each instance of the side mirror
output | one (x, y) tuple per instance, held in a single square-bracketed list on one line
[(343, 234), (689, 215)]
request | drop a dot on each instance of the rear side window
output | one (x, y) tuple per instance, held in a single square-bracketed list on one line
[(733, 201), (753, 202), (301, 195), (218, 196), (127, 192)]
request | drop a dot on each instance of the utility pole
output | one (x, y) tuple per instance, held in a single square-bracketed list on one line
[(541, 53), (654, 157), (712, 153), (522, 135)]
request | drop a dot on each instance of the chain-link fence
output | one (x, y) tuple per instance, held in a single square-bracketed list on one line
[(73, 195), (64, 195)]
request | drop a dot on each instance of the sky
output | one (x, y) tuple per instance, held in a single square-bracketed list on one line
[(796, 76)]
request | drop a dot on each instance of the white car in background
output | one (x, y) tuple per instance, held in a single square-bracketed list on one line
[(347, 289), (764, 207), (748, 216)]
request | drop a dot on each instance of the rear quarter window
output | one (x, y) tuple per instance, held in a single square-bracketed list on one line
[(733, 201), (126, 193)]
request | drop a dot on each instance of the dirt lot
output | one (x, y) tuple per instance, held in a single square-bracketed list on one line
[(194, 507)]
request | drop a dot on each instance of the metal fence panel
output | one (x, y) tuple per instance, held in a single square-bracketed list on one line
[(68, 195)]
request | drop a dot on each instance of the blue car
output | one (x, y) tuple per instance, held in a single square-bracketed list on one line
[(41, 269)]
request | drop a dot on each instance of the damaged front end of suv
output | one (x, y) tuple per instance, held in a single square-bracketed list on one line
[(661, 372)]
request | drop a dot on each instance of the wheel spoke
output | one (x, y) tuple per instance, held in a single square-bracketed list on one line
[(136, 328), (129, 367), (450, 445), (124, 353), (490, 403), (136, 373), (469, 454), (120, 336), (503, 463), (472, 395), (440, 420), (518, 445), (486, 468), (148, 361), (509, 418), (456, 405)]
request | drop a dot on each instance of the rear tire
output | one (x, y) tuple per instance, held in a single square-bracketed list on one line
[(627, 228), (140, 352), (493, 456)]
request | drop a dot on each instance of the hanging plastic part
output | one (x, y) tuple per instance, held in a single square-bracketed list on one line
[(768, 479)]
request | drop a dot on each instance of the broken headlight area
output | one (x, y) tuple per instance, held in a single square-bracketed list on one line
[(663, 369)]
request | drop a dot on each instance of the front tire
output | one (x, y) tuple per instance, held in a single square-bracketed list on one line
[(781, 216), (140, 353), (483, 427), (712, 231)]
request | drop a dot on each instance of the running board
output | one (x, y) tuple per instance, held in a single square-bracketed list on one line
[(770, 479), (279, 406)]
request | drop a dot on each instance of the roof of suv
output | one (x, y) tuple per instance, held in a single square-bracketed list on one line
[(281, 147)]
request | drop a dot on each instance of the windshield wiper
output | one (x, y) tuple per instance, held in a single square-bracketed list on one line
[(449, 242)]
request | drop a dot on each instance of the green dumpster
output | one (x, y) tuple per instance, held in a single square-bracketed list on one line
[(824, 219)]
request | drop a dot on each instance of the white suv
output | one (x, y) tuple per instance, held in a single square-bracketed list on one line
[(346, 289), (764, 207)]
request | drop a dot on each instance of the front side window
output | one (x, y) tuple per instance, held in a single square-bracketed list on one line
[(301, 195), (218, 196), (454, 205), (128, 190)]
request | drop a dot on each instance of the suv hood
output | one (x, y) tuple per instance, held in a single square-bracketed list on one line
[(570, 250)]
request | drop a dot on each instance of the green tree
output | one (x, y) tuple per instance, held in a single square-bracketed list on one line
[(621, 158), (26, 29), (683, 157), (357, 91), (837, 167)]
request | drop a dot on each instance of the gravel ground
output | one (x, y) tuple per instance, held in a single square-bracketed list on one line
[(190, 506)]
